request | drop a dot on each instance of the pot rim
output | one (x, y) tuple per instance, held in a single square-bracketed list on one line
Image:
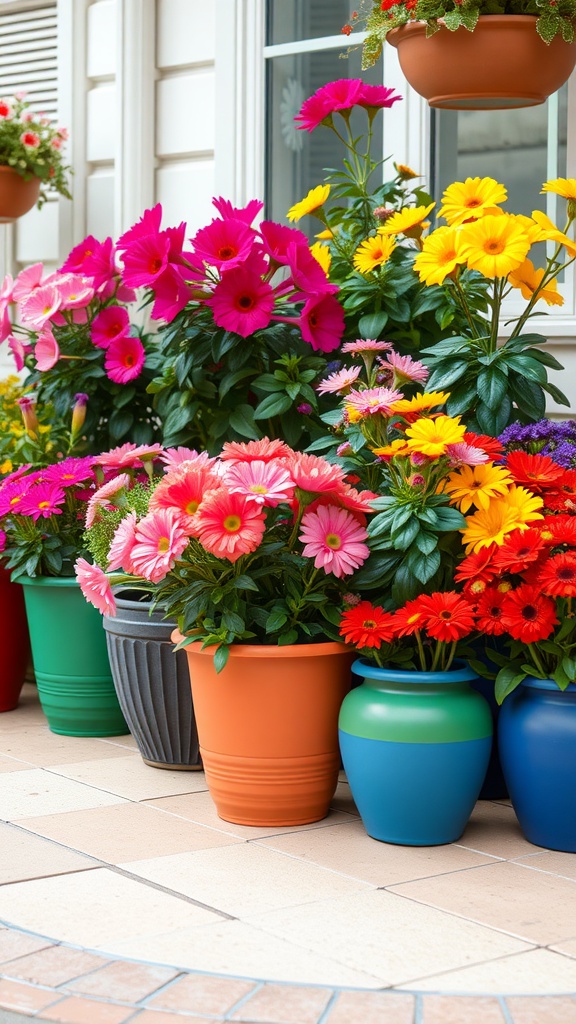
[(270, 650), (534, 683), (461, 673), (47, 581)]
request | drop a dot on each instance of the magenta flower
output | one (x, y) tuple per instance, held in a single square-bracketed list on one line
[(159, 540), (74, 262), (242, 302), (276, 239), (42, 500), (322, 323), (92, 258), (122, 543), (171, 295), (12, 494), (224, 244), (110, 323), (335, 539), (145, 260), (263, 482), (19, 350), (95, 586), (149, 224), (40, 306), (340, 381), (70, 472), (377, 96), (246, 213), (46, 350), (307, 273), (125, 357), (373, 400), (341, 95)]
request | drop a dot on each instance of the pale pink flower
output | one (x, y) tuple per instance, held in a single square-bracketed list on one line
[(339, 381), (463, 454), (5, 300), (27, 281), (266, 483), (125, 358), (40, 306), (160, 538), (335, 539), (76, 291), (95, 586), (355, 348), (373, 400), (46, 350), (122, 543), (406, 369), (19, 350), (174, 457), (128, 455), (228, 525), (101, 497), (313, 474), (264, 450)]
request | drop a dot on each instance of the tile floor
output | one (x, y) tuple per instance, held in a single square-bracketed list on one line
[(123, 897)]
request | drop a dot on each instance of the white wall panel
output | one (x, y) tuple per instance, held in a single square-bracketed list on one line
[(100, 205), (185, 32), (185, 114), (101, 57), (101, 123), (185, 191), (37, 235)]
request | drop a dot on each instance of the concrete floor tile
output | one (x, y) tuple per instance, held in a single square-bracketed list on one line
[(386, 936), (160, 1017), (493, 829), (280, 1004), (36, 744), (95, 909), (456, 1009), (202, 993), (372, 1008), (14, 944), (26, 856), (556, 863), (131, 778), (567, 947), (14, 995), (200, 807), (532, 1010), (537, 972), (86, 1011), (37, 792), (348, 849), (10, 764), (53, 966), (529, 904), (124, 831), (244, 879), (123, 981)]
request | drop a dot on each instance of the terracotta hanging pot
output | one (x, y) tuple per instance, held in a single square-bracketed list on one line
[(502, 63), (268, 729), (17, 196)]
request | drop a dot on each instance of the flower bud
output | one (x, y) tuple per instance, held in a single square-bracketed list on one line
[(28, 410), (79, 413)]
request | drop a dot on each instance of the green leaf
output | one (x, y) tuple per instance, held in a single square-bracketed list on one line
[(526, 367), (233, 622), (491, 386), (372, 325), (244, 582), (449, 519), (493, 421), (221, 657), (176, 420), (423, 566), (273, 405), (556, 394), (291, 637), (242, 421), (275, 621), (445, 373), (506, 681), (231, 379), (404, 536)]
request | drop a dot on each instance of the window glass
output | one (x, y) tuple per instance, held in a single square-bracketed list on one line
[(292, 20)]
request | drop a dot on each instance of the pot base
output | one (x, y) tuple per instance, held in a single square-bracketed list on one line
[(173, 767)]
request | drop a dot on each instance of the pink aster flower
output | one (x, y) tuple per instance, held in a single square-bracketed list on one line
[(42, 501), (266, 483), (224, 244), (125, 357), (322, 323), (12, 494), (373, 400), (95, 586), (356, 348), (145, 260), (228, 525), (340, 381), (128, 455), (314, 474), (183, 490), (245, 213), (246, 451), (160, 538), (71, 471), (119, 553), (463, 454), (174, 457), (406, 369), (340, 95), (27, 281), (19, 350), (40, 306), (110, 323), (335, 539), (102, 498), (242, 302), (377, 96), (46, 350)]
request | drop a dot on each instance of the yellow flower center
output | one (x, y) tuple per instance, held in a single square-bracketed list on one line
[(43, 504), (258, 489), (232, 523), (333, 541), (163, 545), (192, 507)]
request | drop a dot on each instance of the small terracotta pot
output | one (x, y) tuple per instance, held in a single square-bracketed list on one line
[(17, 196), (268, 729), (502, 63)]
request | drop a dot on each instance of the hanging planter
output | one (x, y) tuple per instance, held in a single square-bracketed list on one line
[(17, 195), (502, 63)]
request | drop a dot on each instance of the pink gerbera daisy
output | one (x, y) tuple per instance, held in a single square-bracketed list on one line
[(406, 369), (266, 483), (224, 244), (125, 357), (184, 488), (462, 454), (264, 450), (95, 586), (174, 457), (229, 525), (122, 543), (70, 471), (339, 381), (42, 501), (315, 475), (110, 323), (244, 213), (356, 348), (46, 350), (145, 260), (322, 323), (242, 302), (335, 539), (101, 498), (277, 238), (373, 400), (160, 538)]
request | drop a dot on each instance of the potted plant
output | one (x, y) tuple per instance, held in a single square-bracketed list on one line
[(252, 551), (31, 158), (476, 54)]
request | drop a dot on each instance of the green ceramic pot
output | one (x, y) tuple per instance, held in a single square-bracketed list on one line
[(70, 659)]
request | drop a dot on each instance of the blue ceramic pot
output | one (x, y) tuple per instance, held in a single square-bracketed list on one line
[(537, 741), (415, 747)]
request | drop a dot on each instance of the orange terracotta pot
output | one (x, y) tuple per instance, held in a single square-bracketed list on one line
[(268, 729), (17, 196), (502, 63)]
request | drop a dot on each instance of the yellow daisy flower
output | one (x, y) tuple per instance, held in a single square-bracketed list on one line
[(525, 505), (528, 279), (397, 447), (325, 235), (353, 415), (535, 233), (6, 467), (471, 199), (476, 485), (315, 198), (551, 233), (427, 400), (440, 255), (372, 252), (431, 437), (405, 220), (565, 187), (322, 254), (488, 526), (494, 245)]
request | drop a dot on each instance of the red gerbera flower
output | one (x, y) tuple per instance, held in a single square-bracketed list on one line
[(520, 549), (409, 619), (448, 617), (561, 497), (528, 615), (367, 625), (559, 529), (558, 575), (537, 472), (478, 565), (489, 612), (490, 445)]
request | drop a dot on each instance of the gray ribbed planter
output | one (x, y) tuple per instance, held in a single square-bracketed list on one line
[(152, 684)]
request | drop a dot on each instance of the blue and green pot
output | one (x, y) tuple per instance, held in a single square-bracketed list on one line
[(415, 747), (537, 740)]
